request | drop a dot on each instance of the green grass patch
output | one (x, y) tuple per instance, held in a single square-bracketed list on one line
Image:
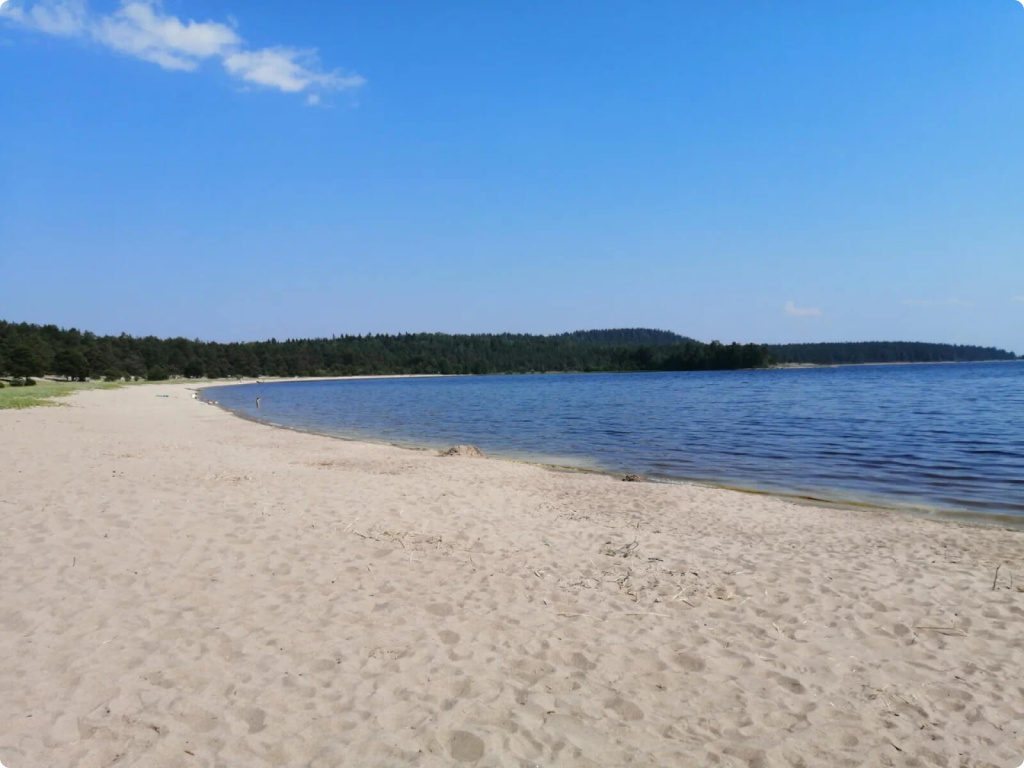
[(47, 392)]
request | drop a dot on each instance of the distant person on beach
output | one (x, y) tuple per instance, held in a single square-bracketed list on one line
[(257, 402)]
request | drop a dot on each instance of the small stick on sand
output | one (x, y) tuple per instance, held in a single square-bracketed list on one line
[(996, 577), (954, 630), (678, 596)]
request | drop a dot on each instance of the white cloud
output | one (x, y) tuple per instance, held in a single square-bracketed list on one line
[(792, 310), (140, 28), (1019, 298)]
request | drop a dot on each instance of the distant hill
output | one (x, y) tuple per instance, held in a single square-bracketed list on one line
[(627, 337), (847, 353)]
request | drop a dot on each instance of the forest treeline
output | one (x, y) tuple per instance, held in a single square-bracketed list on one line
[(849, 353), (34, 350)]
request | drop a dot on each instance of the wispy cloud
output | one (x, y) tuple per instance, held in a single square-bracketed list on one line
[(954, 302), (1019, 298), (792, 310), (288, 69), (141, 28), (64, 19)]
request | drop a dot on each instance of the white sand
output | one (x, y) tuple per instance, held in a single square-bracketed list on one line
[(184, 588)]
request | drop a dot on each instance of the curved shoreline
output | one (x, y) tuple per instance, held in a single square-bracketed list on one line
[(185, 587), (942, 514)]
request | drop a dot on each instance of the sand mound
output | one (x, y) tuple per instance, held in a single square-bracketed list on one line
[(469, 451)]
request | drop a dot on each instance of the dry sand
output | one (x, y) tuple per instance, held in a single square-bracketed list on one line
[(185, 588)]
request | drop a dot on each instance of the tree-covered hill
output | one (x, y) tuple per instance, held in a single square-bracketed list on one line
[(32, 350), (846, 353), (628, 337)]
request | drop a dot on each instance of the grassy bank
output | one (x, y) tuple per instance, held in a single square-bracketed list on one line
[(47, 392)]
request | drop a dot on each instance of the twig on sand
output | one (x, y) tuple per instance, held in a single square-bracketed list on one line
[(946, 630), (662, 615), (678, 596), (581, 616), (995, 579)]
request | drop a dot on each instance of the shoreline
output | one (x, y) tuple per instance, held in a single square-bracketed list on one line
[(839, 501), (801, 366), (186, 588)]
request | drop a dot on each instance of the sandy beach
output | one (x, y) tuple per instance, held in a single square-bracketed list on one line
[(184, 588)]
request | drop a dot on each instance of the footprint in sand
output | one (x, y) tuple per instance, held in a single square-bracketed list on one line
[(582, 662), (465, 747), (448, 637), (790, 684), (255, 719), (690, 663), (627, 710)]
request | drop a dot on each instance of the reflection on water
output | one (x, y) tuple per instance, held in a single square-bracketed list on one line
[(936, 436)]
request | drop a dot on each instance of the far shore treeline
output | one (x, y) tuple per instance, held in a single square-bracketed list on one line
[(33, 350)]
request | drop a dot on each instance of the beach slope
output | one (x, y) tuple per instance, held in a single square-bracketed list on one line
[(185, 588)]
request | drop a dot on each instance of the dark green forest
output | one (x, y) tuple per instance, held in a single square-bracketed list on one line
[(847, 353), (32, 350)]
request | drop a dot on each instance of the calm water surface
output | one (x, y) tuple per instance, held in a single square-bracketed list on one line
[(942, 437)]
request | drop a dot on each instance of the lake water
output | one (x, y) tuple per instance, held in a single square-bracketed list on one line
[(930, 437)]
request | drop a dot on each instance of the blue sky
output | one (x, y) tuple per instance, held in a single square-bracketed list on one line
[(751, 171)]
